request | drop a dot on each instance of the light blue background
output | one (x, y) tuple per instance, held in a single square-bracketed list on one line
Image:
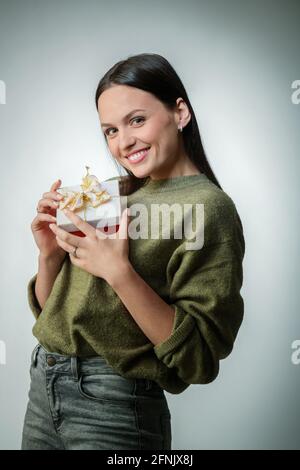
[(237, 60)]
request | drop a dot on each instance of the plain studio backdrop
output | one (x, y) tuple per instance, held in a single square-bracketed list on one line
[(237, 60)]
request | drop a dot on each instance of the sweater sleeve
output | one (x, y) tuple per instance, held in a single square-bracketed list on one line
[(205, 294), (32, 300)]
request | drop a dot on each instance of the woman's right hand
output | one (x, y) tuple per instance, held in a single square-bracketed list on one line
[(43, 235)]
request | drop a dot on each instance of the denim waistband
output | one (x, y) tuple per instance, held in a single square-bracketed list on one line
[(78, 364)]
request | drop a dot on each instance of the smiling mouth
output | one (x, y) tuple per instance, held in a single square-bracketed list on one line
[(138, 156)]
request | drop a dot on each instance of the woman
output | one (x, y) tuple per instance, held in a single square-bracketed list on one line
[(121, 320)]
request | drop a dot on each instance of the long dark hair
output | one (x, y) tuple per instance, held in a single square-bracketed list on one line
[(154, 74)]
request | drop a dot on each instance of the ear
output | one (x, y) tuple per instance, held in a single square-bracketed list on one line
[(183, 114)]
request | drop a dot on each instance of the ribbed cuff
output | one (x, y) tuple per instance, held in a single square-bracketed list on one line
[(32, 300), (183, 325)]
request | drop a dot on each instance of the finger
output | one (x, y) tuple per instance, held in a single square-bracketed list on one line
[(123, 229), (76, 260), (82, 225), (66, 246), (55, 185), (53, 195), (47, 203), (67, 237), (43, 218)]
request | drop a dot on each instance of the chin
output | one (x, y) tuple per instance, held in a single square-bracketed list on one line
[(140, 175), (139, 172)]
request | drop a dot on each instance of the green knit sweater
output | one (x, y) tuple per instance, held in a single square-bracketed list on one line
[(84, 316)]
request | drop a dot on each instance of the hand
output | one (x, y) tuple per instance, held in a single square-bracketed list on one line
[(98, 253), (43, 236)]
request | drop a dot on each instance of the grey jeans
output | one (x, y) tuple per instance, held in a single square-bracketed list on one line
[(82, 403)]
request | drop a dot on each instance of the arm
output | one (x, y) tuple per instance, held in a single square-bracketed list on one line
[(47, 272), (153, 315), (50, 254), (41, 284), (199, 326)]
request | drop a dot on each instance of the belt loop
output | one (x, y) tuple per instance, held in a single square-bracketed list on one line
[(34, 355), (74, 367), (148, 384)]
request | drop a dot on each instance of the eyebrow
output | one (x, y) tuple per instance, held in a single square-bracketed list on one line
[(125, 117)]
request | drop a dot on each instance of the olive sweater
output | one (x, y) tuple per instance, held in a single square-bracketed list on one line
[(83, 315)]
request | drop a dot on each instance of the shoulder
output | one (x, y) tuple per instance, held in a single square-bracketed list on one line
[(221, 218), (209, 193)]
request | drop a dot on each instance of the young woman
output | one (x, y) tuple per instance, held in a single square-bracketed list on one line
[(121, 320)]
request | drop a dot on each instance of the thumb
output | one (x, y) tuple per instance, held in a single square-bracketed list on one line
[(123, 229)]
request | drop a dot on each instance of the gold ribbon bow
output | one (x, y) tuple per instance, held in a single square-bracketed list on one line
[(92, 195)]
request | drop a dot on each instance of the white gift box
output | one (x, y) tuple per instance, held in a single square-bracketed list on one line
[(107, 214)]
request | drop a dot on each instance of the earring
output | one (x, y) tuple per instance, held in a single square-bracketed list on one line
[(180, 127)]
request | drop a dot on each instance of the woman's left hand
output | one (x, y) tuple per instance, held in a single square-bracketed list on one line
[(97, 253)]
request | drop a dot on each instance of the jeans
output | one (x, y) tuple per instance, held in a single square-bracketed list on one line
[(78, 403)]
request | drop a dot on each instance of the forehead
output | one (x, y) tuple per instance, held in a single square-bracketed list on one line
[(118, 100)]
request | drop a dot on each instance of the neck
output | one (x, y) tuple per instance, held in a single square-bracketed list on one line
[(183, 167)]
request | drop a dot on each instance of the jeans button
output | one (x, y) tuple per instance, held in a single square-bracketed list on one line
[(51, 361)]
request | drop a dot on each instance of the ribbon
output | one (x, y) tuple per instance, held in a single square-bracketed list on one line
[(92, 195)]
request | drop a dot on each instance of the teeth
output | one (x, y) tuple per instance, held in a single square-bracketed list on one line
[(137, 155)]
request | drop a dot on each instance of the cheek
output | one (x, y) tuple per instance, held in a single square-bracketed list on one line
[(113, 147), (165, 137), (155, 132)]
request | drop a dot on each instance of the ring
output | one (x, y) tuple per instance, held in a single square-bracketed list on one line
[(74, 252)]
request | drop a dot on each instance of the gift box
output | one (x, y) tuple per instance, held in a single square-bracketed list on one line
[(98, 203)]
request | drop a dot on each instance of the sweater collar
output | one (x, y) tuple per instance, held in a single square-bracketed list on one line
[(177, 182)]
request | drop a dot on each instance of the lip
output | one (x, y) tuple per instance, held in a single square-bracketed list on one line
[(136, 151), (141, 158)]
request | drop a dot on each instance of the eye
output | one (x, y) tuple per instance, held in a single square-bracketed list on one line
[(133, 119), (107, 130), (138, 117)]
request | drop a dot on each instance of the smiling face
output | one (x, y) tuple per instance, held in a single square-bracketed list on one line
[(134, 120)]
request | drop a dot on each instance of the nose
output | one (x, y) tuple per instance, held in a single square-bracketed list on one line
[(126, 142)]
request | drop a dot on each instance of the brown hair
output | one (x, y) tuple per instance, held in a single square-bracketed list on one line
[(154, 74)]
